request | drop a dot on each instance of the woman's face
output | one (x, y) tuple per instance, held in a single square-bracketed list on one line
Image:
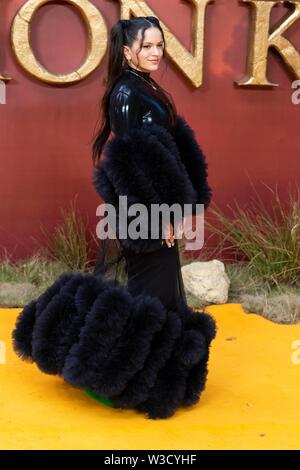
[(150, 55)]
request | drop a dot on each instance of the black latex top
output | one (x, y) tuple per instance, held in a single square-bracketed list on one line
[(134, 103)]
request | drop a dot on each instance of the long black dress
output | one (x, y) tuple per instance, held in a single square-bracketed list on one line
[(141, 347), (135, 103)]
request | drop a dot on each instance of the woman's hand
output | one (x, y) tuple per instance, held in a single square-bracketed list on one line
[(169, 240)]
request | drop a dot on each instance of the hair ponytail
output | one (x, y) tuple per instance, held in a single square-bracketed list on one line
[(123, 32)]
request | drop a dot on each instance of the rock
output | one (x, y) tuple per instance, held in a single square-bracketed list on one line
[(207, 281)]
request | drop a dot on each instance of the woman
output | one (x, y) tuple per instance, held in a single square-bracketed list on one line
[(133, 100), (138, 346)]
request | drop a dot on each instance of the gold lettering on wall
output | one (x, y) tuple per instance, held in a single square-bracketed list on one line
[(189, 63), (261, 40), (97, 41), (4, 79)]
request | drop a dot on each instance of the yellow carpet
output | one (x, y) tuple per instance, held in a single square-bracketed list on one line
[(251, 401)]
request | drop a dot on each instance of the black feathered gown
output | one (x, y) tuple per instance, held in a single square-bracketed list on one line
[(134, 103), (139, 346)]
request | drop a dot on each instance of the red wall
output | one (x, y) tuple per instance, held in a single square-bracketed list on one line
[(45, 130)]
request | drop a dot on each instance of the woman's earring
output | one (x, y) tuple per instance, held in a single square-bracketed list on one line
[(125, 61)]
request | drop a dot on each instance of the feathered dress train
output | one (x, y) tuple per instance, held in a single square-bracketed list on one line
[(125, 348)]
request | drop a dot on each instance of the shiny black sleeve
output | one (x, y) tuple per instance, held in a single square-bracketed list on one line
[(124, 112)]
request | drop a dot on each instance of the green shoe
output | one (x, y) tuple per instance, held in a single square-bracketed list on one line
[(105, 401)]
